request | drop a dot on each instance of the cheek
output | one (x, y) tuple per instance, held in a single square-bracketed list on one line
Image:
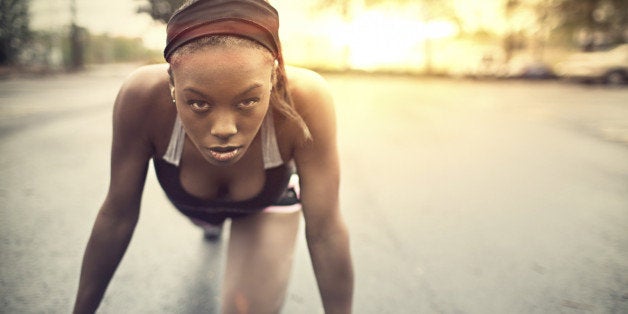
[(249, 124), (195, 126), (194, 129)]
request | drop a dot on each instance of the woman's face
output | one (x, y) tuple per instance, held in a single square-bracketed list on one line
[(222, 96)]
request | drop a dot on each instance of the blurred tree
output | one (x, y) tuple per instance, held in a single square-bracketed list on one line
[(77, 41), (594, 23), (104, 48), (160, 10), (433, 8), (342, 6), (14, 29), (78, 37), (512, 40)]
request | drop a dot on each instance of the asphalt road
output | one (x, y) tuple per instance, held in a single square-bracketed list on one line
[(461, 197)]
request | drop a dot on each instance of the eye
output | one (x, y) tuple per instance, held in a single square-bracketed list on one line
[(199, 106), (248, 103)]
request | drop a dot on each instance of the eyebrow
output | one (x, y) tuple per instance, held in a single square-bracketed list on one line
[(244, 92)]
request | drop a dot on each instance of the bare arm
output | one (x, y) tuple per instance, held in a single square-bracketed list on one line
[(119, 213), (318, 167)]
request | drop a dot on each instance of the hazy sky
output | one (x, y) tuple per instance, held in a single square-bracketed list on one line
[(119, 17), (383, 35)]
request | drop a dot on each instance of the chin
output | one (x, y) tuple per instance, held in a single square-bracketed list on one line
[(220, 163)]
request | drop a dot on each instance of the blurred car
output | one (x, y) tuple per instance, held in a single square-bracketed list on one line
[(532, 70), (610, 67)]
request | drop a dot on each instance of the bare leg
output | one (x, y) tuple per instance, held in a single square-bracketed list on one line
[(259, 262)]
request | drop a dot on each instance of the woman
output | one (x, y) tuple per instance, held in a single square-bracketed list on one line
[(226, 125)]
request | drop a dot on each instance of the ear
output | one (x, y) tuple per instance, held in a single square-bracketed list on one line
[(171, 81), (275, 73)]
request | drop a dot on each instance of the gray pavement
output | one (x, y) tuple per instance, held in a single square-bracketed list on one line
[(461, 197)]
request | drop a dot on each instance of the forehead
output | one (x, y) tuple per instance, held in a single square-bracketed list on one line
[(221, 65)]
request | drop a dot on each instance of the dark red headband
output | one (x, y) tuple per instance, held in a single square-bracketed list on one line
[(253, 19)]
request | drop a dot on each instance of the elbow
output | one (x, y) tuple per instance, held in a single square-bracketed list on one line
[(325, 232)]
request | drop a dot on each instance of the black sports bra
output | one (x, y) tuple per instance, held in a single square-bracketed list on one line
[(216, 211), (277, 176)]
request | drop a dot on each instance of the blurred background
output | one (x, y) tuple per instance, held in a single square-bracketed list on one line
[(478, 174), (490, 38)]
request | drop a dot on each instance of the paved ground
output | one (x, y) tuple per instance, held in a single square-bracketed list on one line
[(461, 197)]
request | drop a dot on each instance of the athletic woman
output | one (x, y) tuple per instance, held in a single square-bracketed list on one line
[(228, 128)]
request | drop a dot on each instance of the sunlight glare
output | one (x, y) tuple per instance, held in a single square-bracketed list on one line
[(380, 38)]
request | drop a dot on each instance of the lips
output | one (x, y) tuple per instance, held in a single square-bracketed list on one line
[(224, 153)]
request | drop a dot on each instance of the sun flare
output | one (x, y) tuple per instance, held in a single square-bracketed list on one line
[(379, 38)]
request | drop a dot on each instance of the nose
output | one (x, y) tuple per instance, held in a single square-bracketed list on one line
[(224, 126)]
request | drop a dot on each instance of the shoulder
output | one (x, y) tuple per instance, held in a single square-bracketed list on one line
[(143, 93), (143, 103), (145, 84), (312, 99), (310, 93), (306, 83), (302, 77)]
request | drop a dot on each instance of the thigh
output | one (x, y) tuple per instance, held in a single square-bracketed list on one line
[(259, 262)]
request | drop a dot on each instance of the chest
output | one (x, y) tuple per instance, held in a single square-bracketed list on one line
[(241, 181), (196, 178)]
